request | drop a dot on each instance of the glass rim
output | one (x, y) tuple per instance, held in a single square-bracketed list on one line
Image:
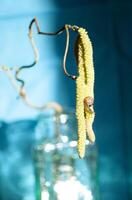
[(50, 114)]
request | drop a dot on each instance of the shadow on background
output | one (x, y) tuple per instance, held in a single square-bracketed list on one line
[(109, 24)]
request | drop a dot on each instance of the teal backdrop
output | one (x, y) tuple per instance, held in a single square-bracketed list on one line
[(109, 24)]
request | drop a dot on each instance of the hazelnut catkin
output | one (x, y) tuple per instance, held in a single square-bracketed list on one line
[(84, 90)]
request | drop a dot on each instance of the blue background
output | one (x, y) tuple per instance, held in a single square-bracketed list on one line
[(109, 24)]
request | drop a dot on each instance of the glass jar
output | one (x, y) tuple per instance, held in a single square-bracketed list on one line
[(59, 173)]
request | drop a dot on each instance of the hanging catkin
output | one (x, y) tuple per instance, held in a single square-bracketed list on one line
[(84, 90)]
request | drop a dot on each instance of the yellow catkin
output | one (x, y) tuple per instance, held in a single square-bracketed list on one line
[(80, 93), (84, 90)]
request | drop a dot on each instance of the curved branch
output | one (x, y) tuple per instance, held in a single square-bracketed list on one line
[(51, 105), (66, 52), (36, 59)]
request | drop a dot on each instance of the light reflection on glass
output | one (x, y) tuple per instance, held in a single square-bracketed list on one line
[(60, 174), (63, 118), (72, 189)]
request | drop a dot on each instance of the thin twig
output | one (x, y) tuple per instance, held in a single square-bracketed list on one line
[(20, 89), (36, 59), (64, 28), (65, 54), (44, 33), (52, 105)]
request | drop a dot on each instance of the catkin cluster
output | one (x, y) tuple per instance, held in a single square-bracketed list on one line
[(84, 90)]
